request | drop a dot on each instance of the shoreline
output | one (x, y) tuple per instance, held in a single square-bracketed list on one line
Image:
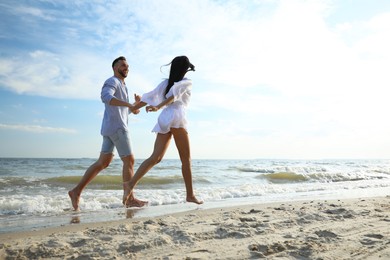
[(15, 223), (347, 228)]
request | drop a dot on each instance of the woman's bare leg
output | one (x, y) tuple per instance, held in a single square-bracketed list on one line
[(160, 147), (93, 170), (183, 146)]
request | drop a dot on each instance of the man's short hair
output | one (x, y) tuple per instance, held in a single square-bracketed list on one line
[(116, 60)]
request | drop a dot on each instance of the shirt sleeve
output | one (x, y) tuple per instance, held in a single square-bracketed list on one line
[(108, 91), (181, 87), (156, 96)]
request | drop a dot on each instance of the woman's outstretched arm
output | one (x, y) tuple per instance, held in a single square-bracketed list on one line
[(162, 104)]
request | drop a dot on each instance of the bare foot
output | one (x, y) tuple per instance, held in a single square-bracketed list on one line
[(126, 192), (74, 198), (194, 200), (133, 202), (128, 198)]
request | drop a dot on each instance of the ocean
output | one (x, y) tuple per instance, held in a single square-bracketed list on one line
[(33, 192)]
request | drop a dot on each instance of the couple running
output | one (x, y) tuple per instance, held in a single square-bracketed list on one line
[(173, 95)]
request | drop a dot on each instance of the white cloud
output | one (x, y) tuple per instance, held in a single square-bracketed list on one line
[(48, 74), (37, 129), (24, 10), (290, 48)]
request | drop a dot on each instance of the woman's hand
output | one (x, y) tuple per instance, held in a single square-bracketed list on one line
[(151, 109)]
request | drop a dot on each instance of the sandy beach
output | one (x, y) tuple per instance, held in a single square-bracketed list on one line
[(318, 229)]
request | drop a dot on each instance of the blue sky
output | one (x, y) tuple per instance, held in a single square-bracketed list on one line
[(286, 79)]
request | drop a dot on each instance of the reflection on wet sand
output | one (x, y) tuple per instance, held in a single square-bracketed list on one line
[(128, 213), (75, 220)]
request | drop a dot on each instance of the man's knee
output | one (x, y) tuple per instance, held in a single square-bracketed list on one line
[(105, 160), (128, 160)]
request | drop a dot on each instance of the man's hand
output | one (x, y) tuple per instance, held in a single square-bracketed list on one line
[(137, 98), (133, 109)]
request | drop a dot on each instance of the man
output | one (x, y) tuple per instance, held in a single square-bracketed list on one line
[(115, 134)]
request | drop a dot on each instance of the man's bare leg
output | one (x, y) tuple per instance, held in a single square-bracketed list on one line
[(93, 170), (127, 173)]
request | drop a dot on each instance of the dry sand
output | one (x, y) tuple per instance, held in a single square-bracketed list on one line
[(320, 229)]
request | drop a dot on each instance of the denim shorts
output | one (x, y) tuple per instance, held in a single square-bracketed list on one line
[(120, 140)]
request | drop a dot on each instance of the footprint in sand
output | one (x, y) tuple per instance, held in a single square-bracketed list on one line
[(370, 239), (377, 236), (326, 234)]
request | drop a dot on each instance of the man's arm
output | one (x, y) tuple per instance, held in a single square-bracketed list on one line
[(120, 103), (134, 108)]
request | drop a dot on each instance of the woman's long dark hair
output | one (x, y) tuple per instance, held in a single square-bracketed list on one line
[(180, 65)]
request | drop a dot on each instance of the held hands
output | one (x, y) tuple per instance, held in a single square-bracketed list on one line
[(151, 109), (137, 99), (134, 110)]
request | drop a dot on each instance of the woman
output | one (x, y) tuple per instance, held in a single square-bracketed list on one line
[(173, 95)]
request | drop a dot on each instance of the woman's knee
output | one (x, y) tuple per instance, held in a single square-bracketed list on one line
[(154, 159)]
